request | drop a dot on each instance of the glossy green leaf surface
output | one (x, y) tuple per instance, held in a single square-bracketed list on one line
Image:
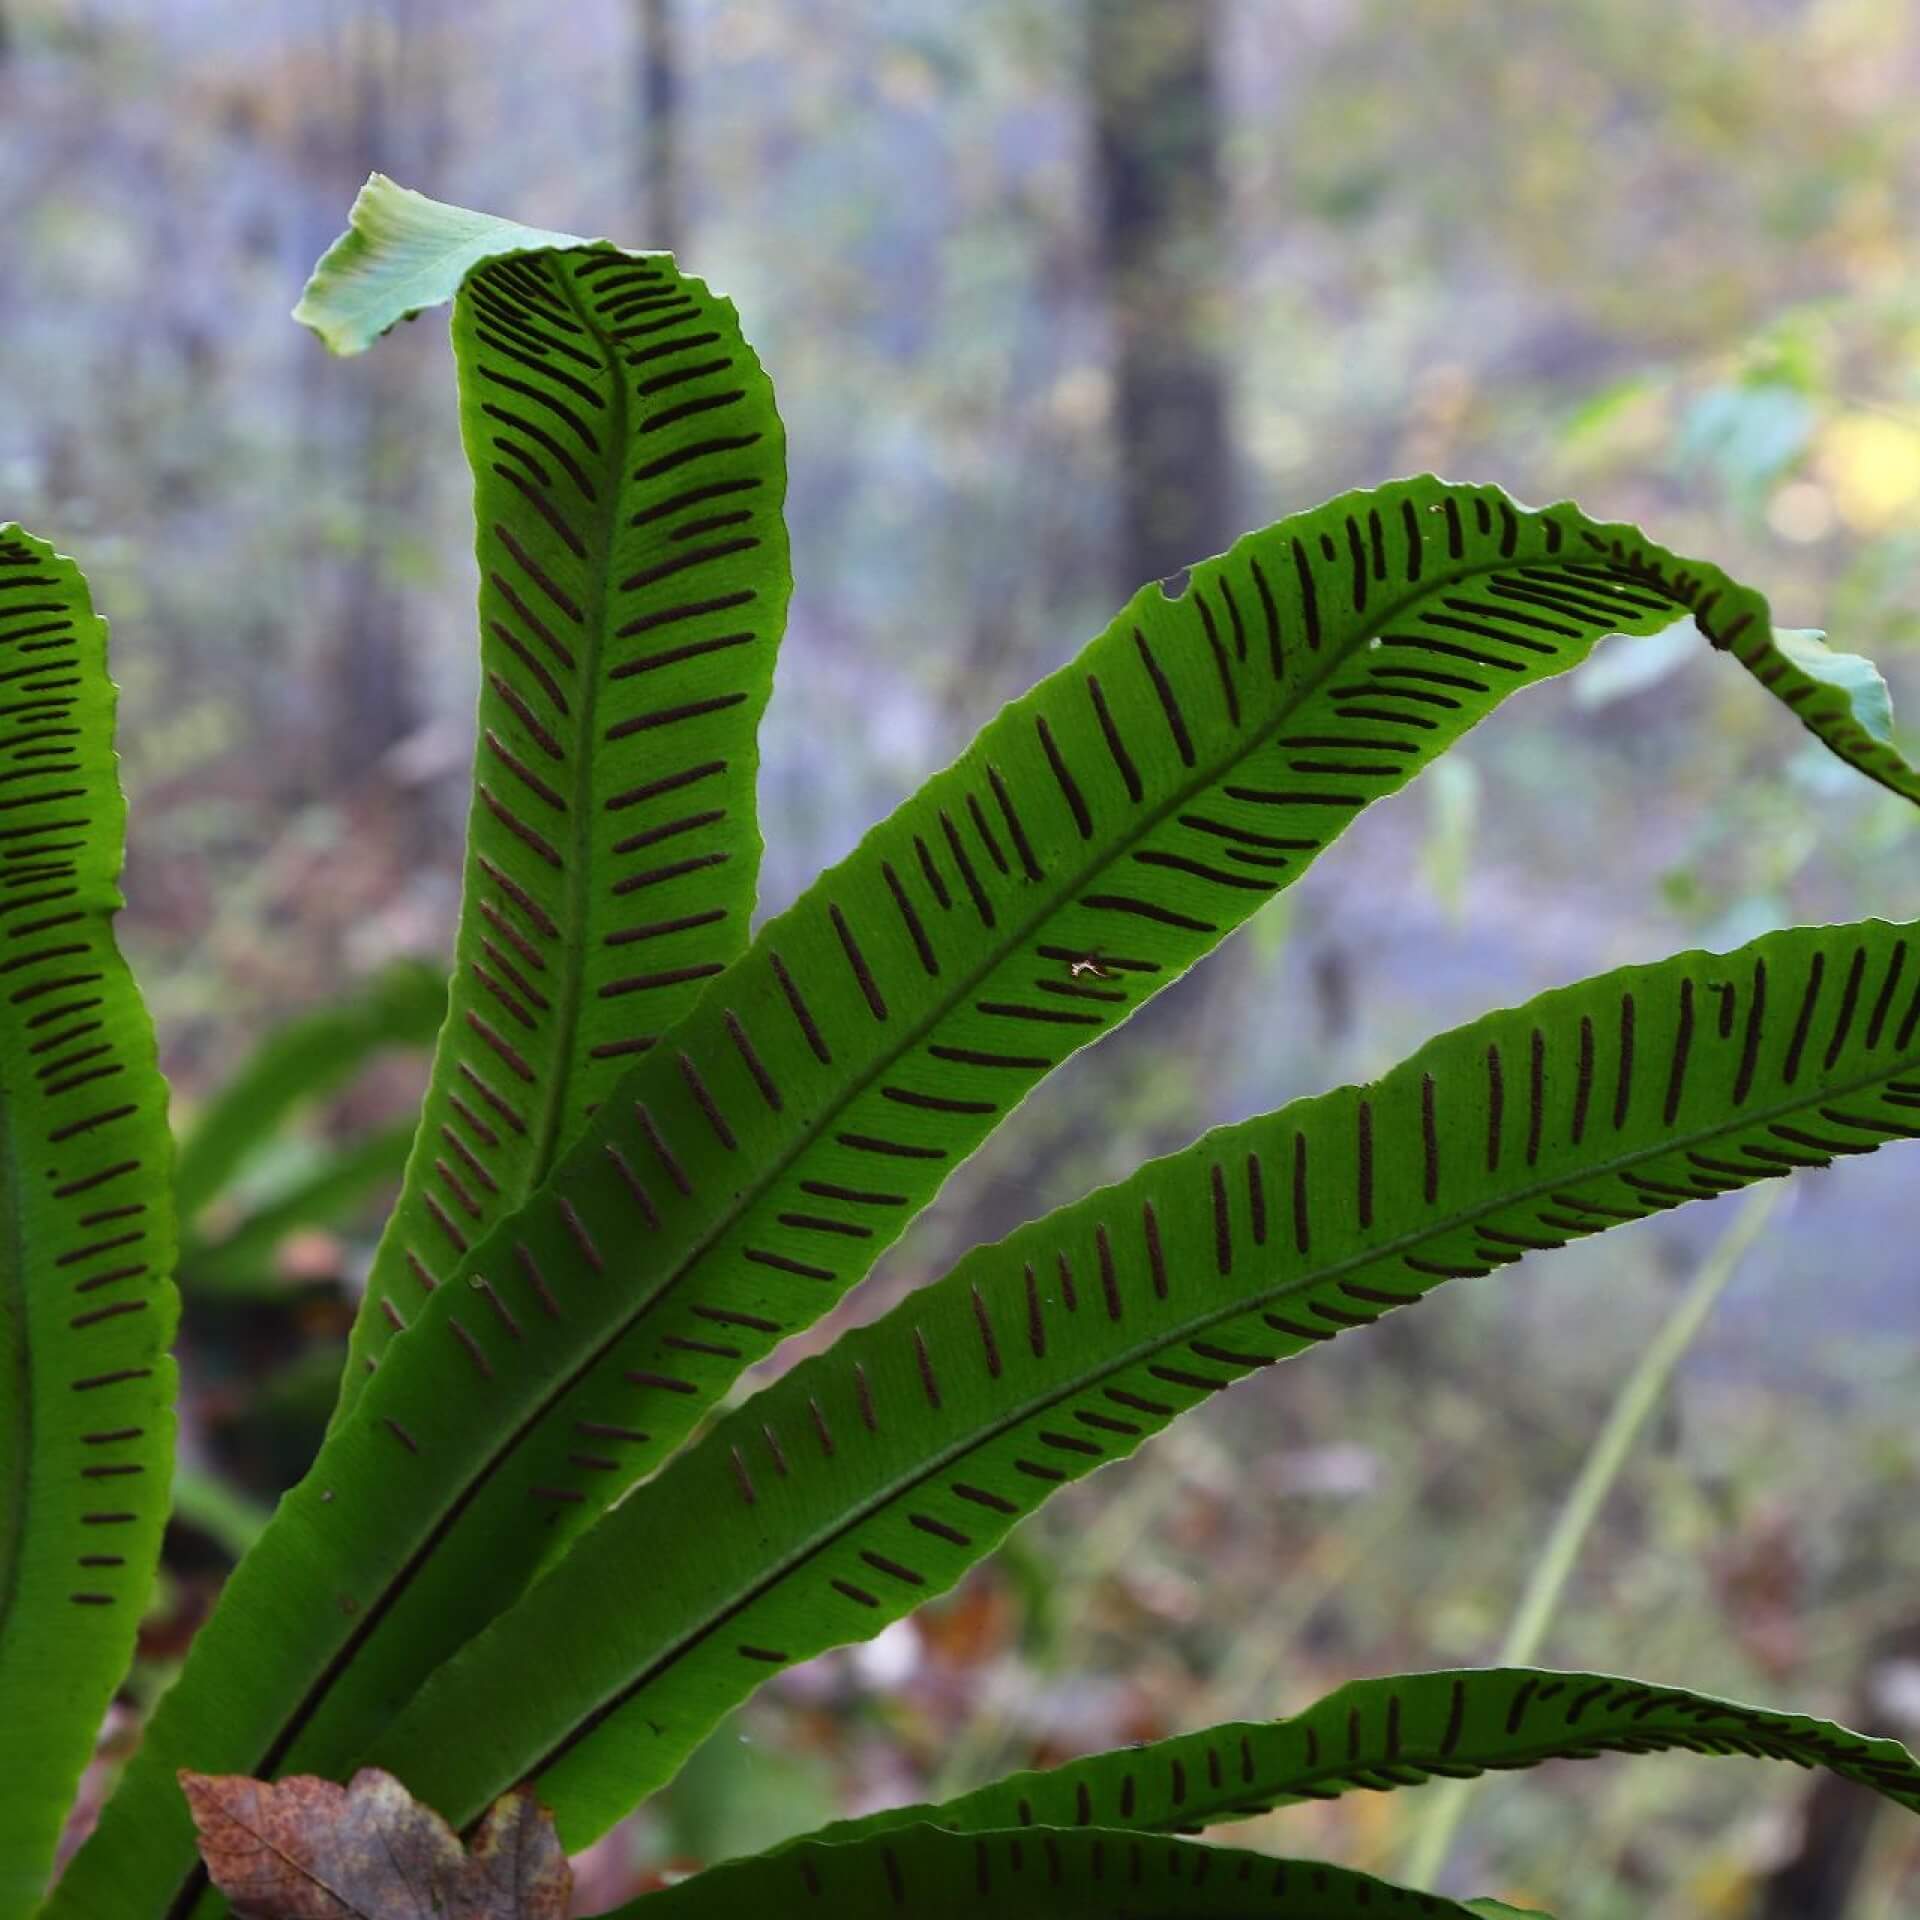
[(1401, 1731), (871, 1477), (1100, 835), (1043, 1874), (87, 1305), (629, 476)]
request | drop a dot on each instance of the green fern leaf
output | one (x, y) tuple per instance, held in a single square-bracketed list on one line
[(629, 473), (1038, 1874), (87, 1306), (1400, 1731), (871, 1477), (1100, 836)]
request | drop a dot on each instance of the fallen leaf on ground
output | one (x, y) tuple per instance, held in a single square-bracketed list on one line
[(307, 1849)]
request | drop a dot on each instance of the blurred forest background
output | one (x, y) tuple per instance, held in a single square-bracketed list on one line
[(1060, 295)]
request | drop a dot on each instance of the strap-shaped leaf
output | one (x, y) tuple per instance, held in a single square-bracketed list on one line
[(86, 1223), (1400, 1731), (403, 1006), (1044, 1874), (870, 1477), (629, 474), (1100, 835)]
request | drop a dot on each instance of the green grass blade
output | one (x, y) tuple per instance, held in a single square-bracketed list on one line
[(1400, 1731), (1640, 1394), (871, 1477), (629, 475), (403, 1006), (87, 1305), (240, 1260), (1040, 1874), (229, 1518), (1101, 835)]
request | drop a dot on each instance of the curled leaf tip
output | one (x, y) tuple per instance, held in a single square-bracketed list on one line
[(400, 254)]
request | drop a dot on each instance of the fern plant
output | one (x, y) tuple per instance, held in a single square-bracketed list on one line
[(533, 1548)]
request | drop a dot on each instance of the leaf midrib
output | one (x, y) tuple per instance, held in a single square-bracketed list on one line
[(1332, 662), (1244, 1304)]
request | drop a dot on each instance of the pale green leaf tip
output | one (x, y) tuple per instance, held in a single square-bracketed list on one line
[(400, 254), (1499, 1910), (1850, 673)]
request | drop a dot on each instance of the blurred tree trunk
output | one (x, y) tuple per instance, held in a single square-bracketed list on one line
[(385, 108), (1822, 1875), (1159, 234), (373, 705), (657, 126), (1158, 239)]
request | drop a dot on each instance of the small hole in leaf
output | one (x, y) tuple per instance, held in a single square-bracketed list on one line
[(1174, 586)]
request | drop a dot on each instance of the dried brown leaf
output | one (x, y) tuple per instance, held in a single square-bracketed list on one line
[(307, 1849)]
